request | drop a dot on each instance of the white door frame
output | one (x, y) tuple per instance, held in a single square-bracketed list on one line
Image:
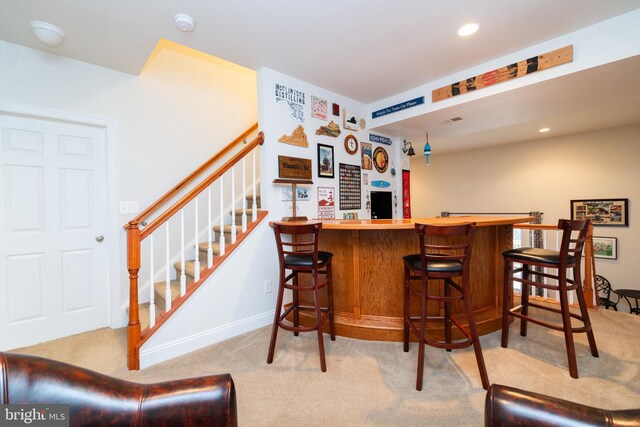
[(112, 235)]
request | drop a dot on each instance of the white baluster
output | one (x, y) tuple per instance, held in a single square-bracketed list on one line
[(244, 197), (152, 288), (167, 285), (254, 206), (209, 231), (221, 241), (233, 205), (196, 258), (183, 274)]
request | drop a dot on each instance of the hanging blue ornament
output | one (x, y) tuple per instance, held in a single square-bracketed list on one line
[(427, 150)]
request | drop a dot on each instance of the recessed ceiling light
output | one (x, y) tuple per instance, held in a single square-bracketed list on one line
[(468, 29), (185, 22), (544, 130), (47, 33)]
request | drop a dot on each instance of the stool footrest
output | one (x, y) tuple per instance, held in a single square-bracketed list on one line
[(515, 311), (319, 322), (468, 341)]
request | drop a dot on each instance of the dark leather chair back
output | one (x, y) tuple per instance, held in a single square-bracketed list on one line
[(95, 399), (508, 406)]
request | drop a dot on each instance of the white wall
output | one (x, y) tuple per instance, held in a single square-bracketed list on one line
[(275, 121), (171, 118), (543, 175)]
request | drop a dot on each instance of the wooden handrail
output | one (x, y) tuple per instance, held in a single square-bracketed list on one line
[(162, 200), (201, 187)]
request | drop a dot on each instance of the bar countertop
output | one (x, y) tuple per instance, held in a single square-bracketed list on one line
[(407, 224)]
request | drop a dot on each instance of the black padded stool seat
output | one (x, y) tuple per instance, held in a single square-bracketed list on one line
[(545, 256), (298, 252), (307, 260), (443, 265), (446, 253), (568, 258)]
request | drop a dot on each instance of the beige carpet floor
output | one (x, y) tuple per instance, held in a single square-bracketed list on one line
[(373, 383)]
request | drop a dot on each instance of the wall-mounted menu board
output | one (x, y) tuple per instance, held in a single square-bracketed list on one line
[(350, 197)]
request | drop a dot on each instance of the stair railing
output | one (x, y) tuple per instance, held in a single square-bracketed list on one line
[(144, 215), (204, 190)]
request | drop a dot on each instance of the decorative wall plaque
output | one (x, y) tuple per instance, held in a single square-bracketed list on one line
[(508, 72), (294, 167), (298, 137), (318, 108), (380, 159), (294, 98), (331, 129)]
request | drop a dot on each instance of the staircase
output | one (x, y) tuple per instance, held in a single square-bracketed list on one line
[(160, 290), (175, 250)]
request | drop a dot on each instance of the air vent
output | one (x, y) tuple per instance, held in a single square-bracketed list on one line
[(451, 120)]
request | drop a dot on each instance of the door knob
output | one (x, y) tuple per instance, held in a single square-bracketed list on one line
[(99, 238)]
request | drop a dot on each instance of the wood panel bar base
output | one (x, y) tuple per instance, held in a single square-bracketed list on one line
[(368, 273)]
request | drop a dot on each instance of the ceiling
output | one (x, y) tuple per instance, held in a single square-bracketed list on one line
[(366, 50)]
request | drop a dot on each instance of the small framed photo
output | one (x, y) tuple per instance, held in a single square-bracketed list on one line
[(350, 120), (612, 212), (325, 161), (605, 247)]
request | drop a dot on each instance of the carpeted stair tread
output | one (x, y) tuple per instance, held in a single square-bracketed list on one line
[(159, 290), (204, 247), (238, 212), (189, 268), (228, 228)]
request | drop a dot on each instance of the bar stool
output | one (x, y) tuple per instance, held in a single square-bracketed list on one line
[(568, 258), (299, 254), (445, 254)]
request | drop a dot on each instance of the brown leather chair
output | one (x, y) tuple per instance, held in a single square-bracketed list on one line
[(95, 399), (568, 258), (445, 254), (512, 407), (298, 253)]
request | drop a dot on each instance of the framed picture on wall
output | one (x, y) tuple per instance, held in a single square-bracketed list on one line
[(605, 247), (613, 212), (325, 161)]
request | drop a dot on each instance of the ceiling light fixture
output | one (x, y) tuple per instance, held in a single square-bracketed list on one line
[(544, 130), (47, 33), (468, 29), (185, 22)]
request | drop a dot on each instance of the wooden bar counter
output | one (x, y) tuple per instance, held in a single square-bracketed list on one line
[(368, 272)]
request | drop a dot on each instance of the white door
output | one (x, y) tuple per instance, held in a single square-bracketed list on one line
[(53, 212)]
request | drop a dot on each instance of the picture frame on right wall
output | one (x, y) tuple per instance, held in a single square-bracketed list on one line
[(605, 247), (607, 212)]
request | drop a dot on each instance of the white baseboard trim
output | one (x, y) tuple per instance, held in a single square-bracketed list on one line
[(154, 355)]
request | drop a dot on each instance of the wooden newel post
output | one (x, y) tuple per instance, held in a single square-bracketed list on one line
[(133, 265), (589, 269)]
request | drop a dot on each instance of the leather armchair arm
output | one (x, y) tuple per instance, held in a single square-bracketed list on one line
[(97, 399), (508, 406)]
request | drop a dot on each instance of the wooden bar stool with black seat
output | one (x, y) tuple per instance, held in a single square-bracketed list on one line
[(445, 254), (299, 254), (568, 258)]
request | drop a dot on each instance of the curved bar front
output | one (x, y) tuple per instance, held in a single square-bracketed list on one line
[(368, 272)]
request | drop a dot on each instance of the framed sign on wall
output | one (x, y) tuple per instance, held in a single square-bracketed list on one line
[(613, 212)]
